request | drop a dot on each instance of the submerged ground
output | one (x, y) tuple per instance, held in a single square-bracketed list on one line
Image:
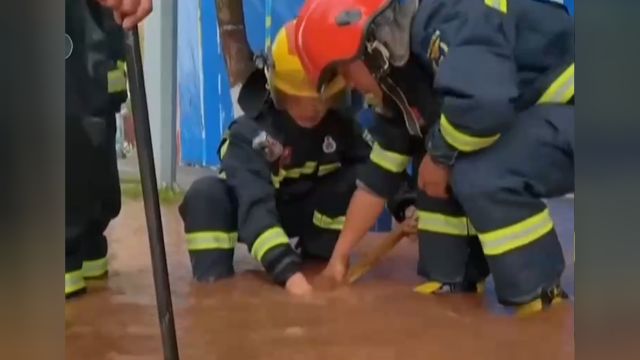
[(249, 318)]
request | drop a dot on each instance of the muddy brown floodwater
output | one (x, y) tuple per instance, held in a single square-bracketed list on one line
[(247, 317)]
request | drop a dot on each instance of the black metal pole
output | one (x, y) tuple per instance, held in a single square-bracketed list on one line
[(150, 194)]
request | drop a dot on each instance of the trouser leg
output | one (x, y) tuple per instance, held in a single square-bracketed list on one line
[(81, 201), (328, 208), (501, 188), (106, 183), (449, 252), (209, 212)]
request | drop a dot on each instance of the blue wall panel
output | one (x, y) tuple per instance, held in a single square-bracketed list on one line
[(218, 109), (189, 81)]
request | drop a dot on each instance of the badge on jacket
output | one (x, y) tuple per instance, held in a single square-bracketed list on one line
[(329, 145), (271, 148), (437, 50)]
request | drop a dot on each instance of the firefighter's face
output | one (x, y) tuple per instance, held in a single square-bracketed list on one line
[(358, 76), (305, 110)]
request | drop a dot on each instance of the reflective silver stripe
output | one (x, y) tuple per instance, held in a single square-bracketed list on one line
[(508, 238), (93, 268), (389, 160), (326, 222), (73, 281), (500, 5), (444, 224), (328, 168), (562, 89), (267, 240), (211, 240)]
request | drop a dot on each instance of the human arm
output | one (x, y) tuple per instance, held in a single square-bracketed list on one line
[(248, 173)]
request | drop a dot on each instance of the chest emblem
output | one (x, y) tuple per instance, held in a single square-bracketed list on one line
[(437, 50), (329, 145), (271, 148)]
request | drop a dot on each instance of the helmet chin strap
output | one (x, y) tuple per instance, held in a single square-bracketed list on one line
[(376, 59)]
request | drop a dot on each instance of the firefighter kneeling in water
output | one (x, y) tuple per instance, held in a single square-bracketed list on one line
[(288, 169), (486, 90)]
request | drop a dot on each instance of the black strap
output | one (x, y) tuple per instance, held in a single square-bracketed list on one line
[(378, 64)]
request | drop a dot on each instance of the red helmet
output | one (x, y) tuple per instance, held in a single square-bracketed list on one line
[(329, 32)]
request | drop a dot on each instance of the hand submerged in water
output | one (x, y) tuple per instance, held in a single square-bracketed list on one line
[(333, 275), (298, 285)]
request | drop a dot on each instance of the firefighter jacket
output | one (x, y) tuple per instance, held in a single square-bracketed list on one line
[(95, 79), (268, 156), (482, 62)]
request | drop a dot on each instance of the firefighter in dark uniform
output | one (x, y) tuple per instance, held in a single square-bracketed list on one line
[(485, 88), (95, 88), (287, 170)]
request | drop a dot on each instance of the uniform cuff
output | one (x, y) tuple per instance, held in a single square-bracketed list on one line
[(439, 149), (379, 181), (281, 262)]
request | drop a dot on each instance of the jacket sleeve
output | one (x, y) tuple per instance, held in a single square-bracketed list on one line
[(360, 144), (385, 169), (476, 78), (248, 173)]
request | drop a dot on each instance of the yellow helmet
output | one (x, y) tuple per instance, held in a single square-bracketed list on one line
[(286, 72)]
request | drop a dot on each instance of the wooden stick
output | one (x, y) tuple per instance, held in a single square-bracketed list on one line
[(373, 257)]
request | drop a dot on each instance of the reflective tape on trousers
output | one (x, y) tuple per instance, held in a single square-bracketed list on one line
[(508, 238), (269, 239)]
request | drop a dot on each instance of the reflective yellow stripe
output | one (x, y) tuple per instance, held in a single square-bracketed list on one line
[(307, 169), (326, 222), (268, 240), (502, 240), (211, 240), (276, 179), (500, 5), (222, 175), (562, 89), (223, 149), (444, 224), (94, 268), (73, 281), (117, 79), (462, 141), (328, 168), (389, 160)]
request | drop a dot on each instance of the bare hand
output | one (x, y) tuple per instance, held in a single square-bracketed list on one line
[(433, 178), (298, 285), (332, 276), (128, 13), (410, 224)]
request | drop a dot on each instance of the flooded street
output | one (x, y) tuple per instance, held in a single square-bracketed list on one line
[(247, 317)]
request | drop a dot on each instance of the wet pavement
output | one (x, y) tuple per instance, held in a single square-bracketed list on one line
[(247, 317)]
